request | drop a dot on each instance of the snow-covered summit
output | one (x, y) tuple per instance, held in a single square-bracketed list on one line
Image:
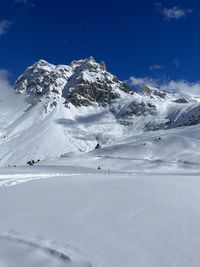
[(43, 78), (92, 84), (80, 107), (82, 83)]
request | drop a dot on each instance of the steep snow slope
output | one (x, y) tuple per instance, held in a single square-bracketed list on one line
[(36, 135), (47, 126)]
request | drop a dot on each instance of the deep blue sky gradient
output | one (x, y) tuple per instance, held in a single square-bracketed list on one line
[(128, 35)]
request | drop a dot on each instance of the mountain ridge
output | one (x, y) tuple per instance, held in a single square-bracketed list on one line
[(78, 107)]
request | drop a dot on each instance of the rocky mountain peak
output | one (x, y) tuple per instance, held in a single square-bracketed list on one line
[(91, 84), (83, 83), (42, 79)]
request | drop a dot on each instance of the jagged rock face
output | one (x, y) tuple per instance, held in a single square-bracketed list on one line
[(58, 113), (91, 84), (43, 79), (152, 92), (140, 109), (82, 83), (86, 83), (181, 118), (181, 100), (125, 115)]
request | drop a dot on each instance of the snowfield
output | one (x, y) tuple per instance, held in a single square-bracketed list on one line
[(114, 220)]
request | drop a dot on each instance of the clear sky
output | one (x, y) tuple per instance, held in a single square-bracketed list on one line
[(140, 38)]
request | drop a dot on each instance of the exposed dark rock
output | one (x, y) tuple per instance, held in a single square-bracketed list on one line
[(43, 81), (125, 115), (91, 84), (98, 146), (87, 83), (32, 162), (153, 92), (181, 101)]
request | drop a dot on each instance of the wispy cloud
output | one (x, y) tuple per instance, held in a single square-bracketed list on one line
[(182, 86), (4, 26), (5, 87), (156, 67), (173, 13), (173, 86), (7, 94), (140, 82)]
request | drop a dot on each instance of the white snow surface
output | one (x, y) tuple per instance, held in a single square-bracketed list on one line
[(99, 219)]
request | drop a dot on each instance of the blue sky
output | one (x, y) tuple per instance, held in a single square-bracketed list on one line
[(140, 39)]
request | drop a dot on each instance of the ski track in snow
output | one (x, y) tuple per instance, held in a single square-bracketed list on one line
[(12, 179), (16, 250), (20, 251), (15, 179)]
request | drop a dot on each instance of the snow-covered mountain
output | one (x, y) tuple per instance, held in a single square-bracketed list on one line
[(81, 107)]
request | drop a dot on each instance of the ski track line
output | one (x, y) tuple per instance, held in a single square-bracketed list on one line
[(15, 179), (50, 249)]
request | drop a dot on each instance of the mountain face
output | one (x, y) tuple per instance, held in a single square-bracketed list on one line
[(80, 107), (91, 84), (43, 79), (83, 83)]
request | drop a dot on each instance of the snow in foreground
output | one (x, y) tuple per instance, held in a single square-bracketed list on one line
[(23, 253), (101, 220)]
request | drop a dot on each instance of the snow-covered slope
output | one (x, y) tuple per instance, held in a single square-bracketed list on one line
[(61, 109), (101, 221)]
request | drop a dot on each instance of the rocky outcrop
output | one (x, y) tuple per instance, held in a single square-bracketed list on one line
[(92, 85), (180, 118), (153, 92), (182, 100), (86, 83), (82, 83), (135, 108), (43, 79)]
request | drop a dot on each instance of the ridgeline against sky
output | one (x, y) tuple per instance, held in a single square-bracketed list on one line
[(144, 40)]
